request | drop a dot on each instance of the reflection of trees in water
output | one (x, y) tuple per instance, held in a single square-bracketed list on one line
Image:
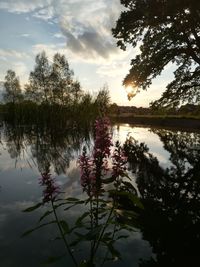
[(43, 147), (184, 147), (171, 219), (14, 141)]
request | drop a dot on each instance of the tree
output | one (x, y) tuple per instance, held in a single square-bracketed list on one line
[(52, 83), (102, 100), (168, 31), (64, 87), (60, 77), (76, 91), (39, 83), (13, 92)]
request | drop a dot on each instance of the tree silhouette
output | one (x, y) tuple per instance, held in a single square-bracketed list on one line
[(39, 84), (102, 100), (169, 32), (63, 86), (52, 83), (13, 92)]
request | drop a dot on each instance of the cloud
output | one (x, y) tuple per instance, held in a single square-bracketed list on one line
[(4, 53), (22, 6), (105, 65), (45, 13), (89, 44), (20, 68), (26, 35), (86, 25), (113, 70), (58, 35), (118, 66), (21, 71), (50, 50)]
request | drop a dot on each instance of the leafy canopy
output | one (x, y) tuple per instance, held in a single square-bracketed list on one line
[(52, 83), (12, 86), (168, 31)]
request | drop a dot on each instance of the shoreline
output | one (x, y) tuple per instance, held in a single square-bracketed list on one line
[(159, 121)]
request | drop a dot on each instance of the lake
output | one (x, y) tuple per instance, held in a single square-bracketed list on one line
[(165, 171)]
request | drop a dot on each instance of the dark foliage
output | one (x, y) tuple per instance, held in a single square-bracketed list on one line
[(168, 31), (171, 218)]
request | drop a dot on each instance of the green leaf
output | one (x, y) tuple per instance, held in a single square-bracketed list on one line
[(133, 198), (67, 203), (94, 233), (48, 212), (107, 237), (75, 242), (61, 204), (72, 199), (71, 206), (33, 207), (38, 227), (64, 226), (82, 217), (102, 215)]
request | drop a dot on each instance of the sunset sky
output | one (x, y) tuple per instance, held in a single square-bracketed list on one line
[(80, 29)]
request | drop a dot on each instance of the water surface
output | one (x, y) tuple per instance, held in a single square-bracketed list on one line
[(166, 174)]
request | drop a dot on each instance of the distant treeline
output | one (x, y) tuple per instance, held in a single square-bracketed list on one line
[(52, 94), (188, 109)]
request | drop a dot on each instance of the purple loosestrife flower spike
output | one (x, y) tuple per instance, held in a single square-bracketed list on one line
[(51, 189), (102, 141), (94, 167), (101, 152), (119, 161)]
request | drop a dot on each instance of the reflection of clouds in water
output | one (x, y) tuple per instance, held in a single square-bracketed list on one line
[(19, 185), (17, 251), (61, 179), (143, 135), (2, 217), (21, 160), (20, 190), (13, 247), (73, 186), (140, 247)]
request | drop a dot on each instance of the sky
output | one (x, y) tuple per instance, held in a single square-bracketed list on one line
[(79, 29)]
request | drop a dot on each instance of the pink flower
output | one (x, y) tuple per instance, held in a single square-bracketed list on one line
[(119, 161), (51, 188), (94, 167), (102, 142)]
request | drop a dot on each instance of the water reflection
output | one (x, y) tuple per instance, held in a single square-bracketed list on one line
[(171, 196), (43, 147), (171, 218)]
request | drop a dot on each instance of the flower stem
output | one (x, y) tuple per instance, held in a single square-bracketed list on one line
[(63, 236), (104, 228)]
